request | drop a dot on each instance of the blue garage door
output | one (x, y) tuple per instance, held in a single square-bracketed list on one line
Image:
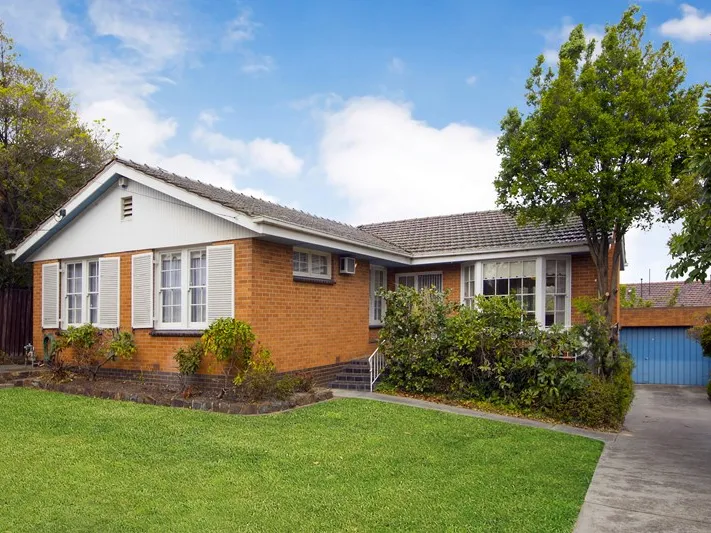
[(666, 356)]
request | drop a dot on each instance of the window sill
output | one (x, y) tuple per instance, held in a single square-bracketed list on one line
[(375, 326), (177, 333), (318, 281)]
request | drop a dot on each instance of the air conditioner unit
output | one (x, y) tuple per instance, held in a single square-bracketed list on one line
[(348, 265)]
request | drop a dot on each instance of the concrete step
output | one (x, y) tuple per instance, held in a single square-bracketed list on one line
[(355, 378)]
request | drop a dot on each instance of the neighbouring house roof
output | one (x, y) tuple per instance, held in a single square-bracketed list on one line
[(660, 293), (483, 230), (255, 207)]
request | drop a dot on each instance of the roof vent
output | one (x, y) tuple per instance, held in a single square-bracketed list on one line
[(127, 207)]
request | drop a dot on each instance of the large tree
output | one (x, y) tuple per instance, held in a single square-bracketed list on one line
[(46, 153), (691, 246), (603, 141)]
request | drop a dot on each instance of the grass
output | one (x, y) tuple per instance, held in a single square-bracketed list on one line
[(72, 463)]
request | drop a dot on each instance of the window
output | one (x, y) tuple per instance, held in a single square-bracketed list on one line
[(74, 289), (126, 207), (311, 264), (171, 288), (378, 280), (556, 292), (469, 282), (82, 285), (517, 278), (182, 289), (420, 280), (198, 286), (93, 292)]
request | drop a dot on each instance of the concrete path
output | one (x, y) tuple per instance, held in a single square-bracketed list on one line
[(656, 475), (606, 437)]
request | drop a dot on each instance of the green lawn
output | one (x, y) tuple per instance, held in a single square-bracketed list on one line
[(70, 463)]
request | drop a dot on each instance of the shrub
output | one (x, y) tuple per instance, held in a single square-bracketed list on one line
[(303, 381), (413, 338), (230, 342), (189, 359), (708, 390), (259, 380), (93, 348)]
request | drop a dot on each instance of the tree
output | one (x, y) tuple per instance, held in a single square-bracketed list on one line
[(603, 142), (46, 153), (691, 246)]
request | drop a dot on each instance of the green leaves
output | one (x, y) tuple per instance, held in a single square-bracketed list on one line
[(46, 153), (231, 342), (602, 140)]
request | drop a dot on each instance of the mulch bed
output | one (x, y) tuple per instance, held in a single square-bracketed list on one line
[(171, 397)]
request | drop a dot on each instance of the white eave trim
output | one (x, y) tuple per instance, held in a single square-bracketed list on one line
[(531, 251)]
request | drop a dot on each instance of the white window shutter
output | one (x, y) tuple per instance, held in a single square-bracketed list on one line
[(50, 295), (142, 290), (109, 281), (220, 282)]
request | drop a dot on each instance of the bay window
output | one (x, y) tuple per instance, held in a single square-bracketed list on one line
[(311, 264), (378, 280), (541, 285)]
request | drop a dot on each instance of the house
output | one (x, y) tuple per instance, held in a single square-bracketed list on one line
[(142, 249), (656, 331)]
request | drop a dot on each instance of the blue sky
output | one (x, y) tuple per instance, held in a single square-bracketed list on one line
[(355, 110)]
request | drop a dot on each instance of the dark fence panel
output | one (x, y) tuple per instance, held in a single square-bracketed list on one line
[(15, 320)]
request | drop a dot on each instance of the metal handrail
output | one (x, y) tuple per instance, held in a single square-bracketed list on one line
[(376, 363)]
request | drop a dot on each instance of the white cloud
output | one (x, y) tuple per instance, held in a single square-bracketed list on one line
[(471, 80), (120, 87), (139, 26), (256, 63), (257, 155), (390, 165), (240, 29), (396, 65), (555, 37), (694, 25)]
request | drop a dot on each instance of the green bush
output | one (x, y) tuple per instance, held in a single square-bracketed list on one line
[(259, 380), (230, 342), (92, 348), (494, 352), (602, 403), (188, 360)]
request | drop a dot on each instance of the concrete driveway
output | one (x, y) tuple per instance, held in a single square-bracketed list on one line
[(656, 475)]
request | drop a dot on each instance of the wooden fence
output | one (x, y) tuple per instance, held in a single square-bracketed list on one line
[(15, 320)]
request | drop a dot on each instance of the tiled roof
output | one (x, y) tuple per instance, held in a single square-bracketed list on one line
[(483, 230), (660, 293), (256, 207)]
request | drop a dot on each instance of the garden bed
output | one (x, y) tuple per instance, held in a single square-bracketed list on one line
[(171, 397)]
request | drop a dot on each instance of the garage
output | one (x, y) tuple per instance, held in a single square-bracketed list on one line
[(666, 355), (655, 330)]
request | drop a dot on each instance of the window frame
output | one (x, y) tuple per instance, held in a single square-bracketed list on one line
[(185, 323), (83, 294), (311, 254), (417, 277), (540, 294), (383, 308)]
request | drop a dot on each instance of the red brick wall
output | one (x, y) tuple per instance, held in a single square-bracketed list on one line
[(584, 284), (662, 316), (308, 324), (303, 324), (451, 277)]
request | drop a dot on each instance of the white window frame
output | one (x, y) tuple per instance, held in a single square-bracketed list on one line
[(84, 294), (373, 297), (540, 283), (311, 254), (417, 277), (184, 323)]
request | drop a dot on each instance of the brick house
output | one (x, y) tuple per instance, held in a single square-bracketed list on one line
[(162, 255)]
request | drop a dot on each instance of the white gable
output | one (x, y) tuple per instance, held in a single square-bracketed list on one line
[(157, 221)]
